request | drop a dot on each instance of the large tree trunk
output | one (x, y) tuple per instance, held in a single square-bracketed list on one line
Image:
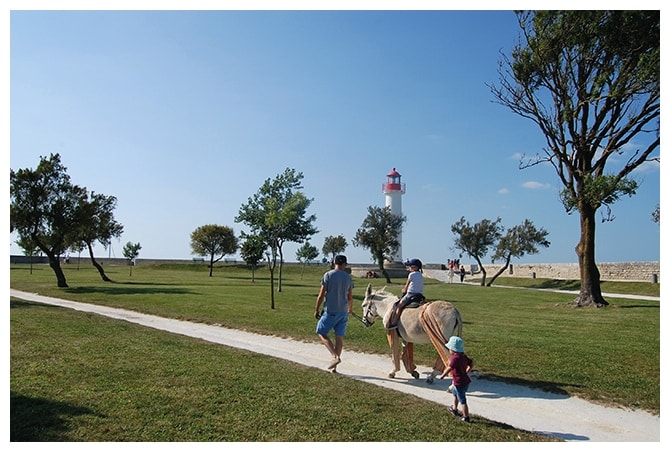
[(54, 263), (97, 265), (589, 292)]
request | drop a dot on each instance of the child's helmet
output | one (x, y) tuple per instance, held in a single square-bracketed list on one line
[(414, 262)]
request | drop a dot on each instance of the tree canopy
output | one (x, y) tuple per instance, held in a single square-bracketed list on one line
[(334, 245), (590, 81), (277, 214), (44, 209), (380, 233), (476, 240), (213, 240)]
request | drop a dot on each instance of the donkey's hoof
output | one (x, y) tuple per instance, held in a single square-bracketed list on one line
[(391, 374), (415, 374), (429, 380)]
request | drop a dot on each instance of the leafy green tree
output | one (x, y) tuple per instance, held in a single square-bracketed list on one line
[(334, 245), (130, 252), (277, 213), (29, 248), (213, 240), (590, 80), (380, 234), (44, 209), (96, 223), (517, 242), (306, 254), (476, 240), (656, 215), (252, 251)]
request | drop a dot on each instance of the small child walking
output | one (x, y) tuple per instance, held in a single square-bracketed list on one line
[(459, 367)]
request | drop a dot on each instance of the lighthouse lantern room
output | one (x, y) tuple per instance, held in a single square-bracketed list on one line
[(394, 189)]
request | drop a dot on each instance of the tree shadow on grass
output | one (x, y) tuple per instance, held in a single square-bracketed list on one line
[(37, 419), (130, 290)]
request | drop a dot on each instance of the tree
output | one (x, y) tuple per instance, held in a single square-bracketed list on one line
[(29, 249), (590, 81), (252, 251), (96, 223), (656, 215), (130, 252), (306, 254), (380, 233), (333, 246), (277, 213), (476, 240), (44, 209), (517, 242), (213, 240)]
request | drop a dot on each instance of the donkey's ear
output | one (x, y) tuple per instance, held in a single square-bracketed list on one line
[(383, 289), (368, 291)]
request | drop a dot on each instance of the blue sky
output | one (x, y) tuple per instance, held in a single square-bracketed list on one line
[(183, 114)]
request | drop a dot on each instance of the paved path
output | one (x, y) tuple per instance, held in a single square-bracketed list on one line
[(558, 415), (442, 275)]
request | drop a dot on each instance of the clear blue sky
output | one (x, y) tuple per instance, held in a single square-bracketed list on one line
[(183, 114)]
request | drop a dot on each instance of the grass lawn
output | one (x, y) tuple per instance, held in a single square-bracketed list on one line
[(518, 335)]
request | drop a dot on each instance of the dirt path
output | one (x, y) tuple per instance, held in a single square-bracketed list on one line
[(565, 417)]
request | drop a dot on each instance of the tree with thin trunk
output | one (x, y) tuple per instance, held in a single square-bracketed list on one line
[(29, 249), (252, 251), (96, 223), (214, 241), (277, 213), (476, 240), (516, 242), (306, 254), (130, 252), (590, 80), (380, 234)]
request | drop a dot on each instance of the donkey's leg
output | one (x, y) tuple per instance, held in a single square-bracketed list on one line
[(408, 359), (395, 344), (438, 368)]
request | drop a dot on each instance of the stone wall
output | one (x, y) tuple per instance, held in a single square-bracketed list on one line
[(609, 271)]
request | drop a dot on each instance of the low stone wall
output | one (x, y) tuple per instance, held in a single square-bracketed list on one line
[(609, 271)]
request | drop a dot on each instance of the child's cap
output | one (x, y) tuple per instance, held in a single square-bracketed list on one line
[(455, 344)]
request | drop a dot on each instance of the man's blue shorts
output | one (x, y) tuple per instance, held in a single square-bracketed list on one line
[(332, 321)]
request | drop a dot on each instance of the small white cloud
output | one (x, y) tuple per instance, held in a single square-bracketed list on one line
[(535, 185), (503, 191), (516, 156)]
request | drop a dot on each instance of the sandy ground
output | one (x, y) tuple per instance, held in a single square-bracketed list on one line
[(569, 418)]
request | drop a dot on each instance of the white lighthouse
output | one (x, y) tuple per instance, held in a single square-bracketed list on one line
[(394, 189)]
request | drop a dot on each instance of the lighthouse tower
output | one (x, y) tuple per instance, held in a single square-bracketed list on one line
[(394, 189)]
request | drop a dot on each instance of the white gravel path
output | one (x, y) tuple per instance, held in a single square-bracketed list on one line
[(565, 417)]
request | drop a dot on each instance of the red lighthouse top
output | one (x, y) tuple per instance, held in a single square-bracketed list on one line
[(393, 183)]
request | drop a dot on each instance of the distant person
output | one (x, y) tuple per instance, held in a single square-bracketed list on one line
[(337, 289), (450, 273), (459, 367), (413, 290), (462, 273)]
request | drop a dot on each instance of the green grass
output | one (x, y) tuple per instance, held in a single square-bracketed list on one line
[(518, 335), (81, 377)]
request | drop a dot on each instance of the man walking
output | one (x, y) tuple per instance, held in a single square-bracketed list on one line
[(337, 289)]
